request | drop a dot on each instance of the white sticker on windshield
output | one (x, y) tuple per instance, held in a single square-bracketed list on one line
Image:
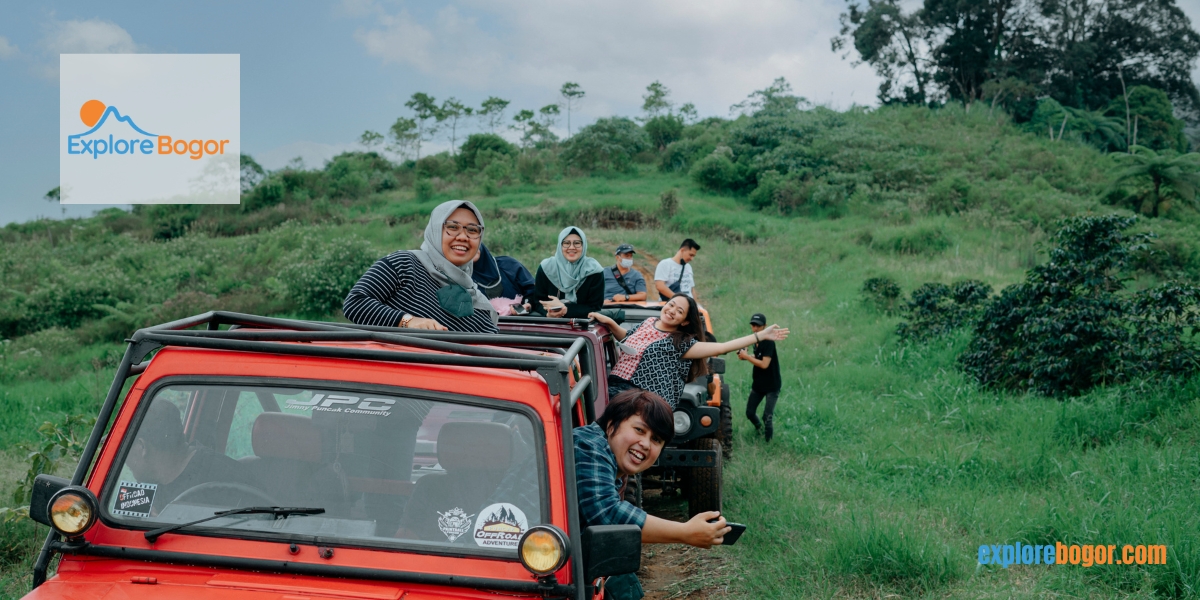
[(500, 526), (134, 499), (454, 523)]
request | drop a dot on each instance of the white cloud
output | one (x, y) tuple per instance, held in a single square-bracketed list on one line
[(314, 154), (712, 53), (7, 49), (91, 36)]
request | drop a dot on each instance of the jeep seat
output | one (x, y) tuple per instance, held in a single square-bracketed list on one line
[(475, 456), (287, 451)]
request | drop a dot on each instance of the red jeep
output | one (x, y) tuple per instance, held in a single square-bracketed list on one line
[(293, 459)]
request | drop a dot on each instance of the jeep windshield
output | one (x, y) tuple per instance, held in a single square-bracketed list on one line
[(461, 476)]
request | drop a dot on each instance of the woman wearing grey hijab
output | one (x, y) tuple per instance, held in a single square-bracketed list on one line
[(430, 288)]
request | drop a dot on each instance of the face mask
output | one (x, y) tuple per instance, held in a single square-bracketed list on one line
[(627, 262), (455, 300)]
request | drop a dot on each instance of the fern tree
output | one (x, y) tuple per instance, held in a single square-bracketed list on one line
[(1160, 177)]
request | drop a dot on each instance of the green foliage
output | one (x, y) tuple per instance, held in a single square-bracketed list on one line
[(881, 294), (424, 190), (923, 239), (717, 173), (606, 146), (936, 309), (60, 445), (1157, 127), (468, 155), (950, 195), (1066, 329), (668, 202), (892, 555), (1159, 179), (318, 275), (664, 129)]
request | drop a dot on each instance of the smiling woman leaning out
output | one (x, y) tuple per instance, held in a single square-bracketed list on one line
[(661, 354), (430, 288), (570, 283)]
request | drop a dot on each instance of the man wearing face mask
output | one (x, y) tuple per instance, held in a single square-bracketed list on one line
[(622, 283)]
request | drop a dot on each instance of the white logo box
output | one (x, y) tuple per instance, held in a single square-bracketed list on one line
[(116, 112)]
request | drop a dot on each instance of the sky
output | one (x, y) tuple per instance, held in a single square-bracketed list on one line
[(315, 75)]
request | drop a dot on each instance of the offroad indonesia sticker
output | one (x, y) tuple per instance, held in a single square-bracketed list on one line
[(134, 499), (500, 526), (354, 405), (454, 523)]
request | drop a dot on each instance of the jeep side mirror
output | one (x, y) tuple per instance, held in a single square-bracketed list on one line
[(44, 486), (611, 550), (716, 365)]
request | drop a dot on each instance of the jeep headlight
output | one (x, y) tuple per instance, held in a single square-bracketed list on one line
[(72, 511), (683, 422), (543, 549)]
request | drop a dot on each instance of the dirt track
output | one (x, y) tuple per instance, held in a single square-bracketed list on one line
[(673, 571)]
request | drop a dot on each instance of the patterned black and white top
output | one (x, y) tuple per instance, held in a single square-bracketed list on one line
[(657, 365), (397, 284)]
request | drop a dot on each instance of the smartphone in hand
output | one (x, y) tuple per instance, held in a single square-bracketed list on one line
[(735, 532)]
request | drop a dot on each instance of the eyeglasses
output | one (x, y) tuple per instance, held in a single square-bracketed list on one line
[(573, 244), (454, 227)]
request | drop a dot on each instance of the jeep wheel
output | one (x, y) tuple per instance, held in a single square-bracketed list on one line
[(633, 491), (725, 431), (704, 484)]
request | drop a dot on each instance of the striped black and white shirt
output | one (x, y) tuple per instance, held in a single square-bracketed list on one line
[(397, 284)]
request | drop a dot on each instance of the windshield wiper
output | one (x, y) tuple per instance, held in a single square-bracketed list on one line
[(280, 512)]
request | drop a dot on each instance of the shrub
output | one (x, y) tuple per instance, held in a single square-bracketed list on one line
[(477, 142), (436, 165), (663, 130), (423, 189), (882, 294), (716, 173), (1067, 328), (317, 276), (922, 239), (608, 145), (531, 168), (936, 309), (949, 195), (668, 202)]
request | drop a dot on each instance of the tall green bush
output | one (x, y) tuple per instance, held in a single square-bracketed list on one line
[(608, 145), (318, 275)]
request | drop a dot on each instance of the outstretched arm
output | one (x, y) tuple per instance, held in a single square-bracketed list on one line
[(612, 326), (707, 349), (695, 532)]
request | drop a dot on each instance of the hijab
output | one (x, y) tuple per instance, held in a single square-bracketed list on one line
[(486, 273), (439, 267), (567, 276)]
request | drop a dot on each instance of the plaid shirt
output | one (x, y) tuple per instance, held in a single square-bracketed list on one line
[(596, 479)]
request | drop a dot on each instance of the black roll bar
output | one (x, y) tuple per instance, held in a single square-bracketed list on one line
[(444, 348)]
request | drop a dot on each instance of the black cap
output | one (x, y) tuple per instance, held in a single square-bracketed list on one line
[(758, 319), (623, 248)]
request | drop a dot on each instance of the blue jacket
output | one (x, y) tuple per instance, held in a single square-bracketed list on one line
[(506, 271)]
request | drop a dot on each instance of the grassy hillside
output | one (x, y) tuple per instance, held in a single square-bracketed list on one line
[(889, 468)]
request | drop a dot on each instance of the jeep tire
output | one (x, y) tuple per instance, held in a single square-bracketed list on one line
[(703, 489), (725, 430)]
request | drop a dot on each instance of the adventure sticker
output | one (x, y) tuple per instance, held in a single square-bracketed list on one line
[(500, 526), (454, 523), (134, 499)]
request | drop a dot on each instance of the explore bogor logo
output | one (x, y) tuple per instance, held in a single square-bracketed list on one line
[(95, 114), (149, 129)]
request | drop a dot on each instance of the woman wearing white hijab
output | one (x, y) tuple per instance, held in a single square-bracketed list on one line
[(570, 283), (430, 288)]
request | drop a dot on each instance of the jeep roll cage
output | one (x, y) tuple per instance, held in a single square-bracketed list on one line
[(269, 335)]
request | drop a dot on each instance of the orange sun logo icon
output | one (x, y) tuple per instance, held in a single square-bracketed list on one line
[(91, 111)]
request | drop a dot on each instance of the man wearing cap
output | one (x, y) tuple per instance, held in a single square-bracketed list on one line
[(622, 283), (765, 379)]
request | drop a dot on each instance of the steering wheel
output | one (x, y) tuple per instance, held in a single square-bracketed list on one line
[(240, 491)]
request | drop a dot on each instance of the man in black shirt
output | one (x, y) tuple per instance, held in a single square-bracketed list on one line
[(766, 381)]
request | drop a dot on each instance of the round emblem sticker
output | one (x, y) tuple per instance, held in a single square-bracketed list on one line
[(500, 526)]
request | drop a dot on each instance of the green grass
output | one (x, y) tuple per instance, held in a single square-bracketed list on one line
[(889, 468)]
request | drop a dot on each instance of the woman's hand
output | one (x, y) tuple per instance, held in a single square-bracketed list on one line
[(702, 534), (602, 318), (554, 307), (429, 324), (774, 332)]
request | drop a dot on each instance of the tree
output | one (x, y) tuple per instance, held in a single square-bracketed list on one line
[(491, 112), (428, 116), (895, 44), (452, 112), (776, 98), (663, 130), (688, 114), (969, 39), (1152, 113), (525, 125), (655, 102), (572, 94), (547, 119), (1169, 175), (252, 174), (370, 139), (402, 136), (606, 145)]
